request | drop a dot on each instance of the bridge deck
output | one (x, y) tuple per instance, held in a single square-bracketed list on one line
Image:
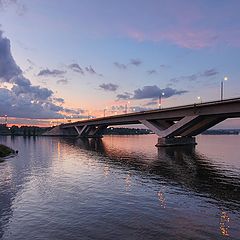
[(229, 108)]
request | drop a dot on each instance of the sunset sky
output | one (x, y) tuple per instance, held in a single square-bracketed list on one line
[(77, 57)]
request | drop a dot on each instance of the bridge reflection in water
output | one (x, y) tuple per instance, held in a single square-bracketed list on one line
[(183, 167)]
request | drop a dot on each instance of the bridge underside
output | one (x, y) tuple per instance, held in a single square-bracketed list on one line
[(182, 132), (170, 133)]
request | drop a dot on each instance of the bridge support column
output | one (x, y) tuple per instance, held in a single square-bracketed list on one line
[(88, 131), (172, 134), (176, 141)]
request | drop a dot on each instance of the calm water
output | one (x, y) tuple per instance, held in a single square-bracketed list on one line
[(120, 188)]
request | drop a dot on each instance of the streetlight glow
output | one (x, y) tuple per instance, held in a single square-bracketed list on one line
[(160, 100), (200, 99), (222, 85)]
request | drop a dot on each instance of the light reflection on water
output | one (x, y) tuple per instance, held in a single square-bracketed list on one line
[(120, 187)]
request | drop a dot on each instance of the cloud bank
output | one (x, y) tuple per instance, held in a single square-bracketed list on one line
[(55, 72), (76, 68), (150, 92), (109, 87), (22, 99)]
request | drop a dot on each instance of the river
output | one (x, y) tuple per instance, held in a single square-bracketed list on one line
[(120, 187)]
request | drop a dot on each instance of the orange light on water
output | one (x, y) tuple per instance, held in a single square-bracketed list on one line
[(224, 223)]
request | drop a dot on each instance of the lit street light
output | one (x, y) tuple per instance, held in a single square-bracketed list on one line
[(224, 79), (200, 99), (160, 100)]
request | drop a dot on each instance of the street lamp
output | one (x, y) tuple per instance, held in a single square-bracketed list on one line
[(126, 106), (224, 79), (160, 100), (6, 119), (200, 99), (104, 111)]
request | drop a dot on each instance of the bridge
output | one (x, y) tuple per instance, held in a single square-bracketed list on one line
[(174, 126)]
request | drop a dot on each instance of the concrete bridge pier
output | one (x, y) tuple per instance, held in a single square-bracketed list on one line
[(88, 131), (181, 132), (176, 141)]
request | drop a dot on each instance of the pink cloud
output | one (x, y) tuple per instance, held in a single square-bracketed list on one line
[(186, 38), (189, 38)]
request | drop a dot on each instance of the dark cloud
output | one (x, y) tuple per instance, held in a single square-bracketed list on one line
[(24, 106), (152, 71), (35, 92), (8, 67), (54, 72), (163, 66), (196, 77), (151, 92), (124, 96), (23, 99), (135, 62), (209, 73), (109, 87), (192, 77), (120, 65), (151, 103), (31, 65), (30, 62), (62, 81), (71, 111), (146, 92), (76, 68), (59, 100), (154, 91), (90, 70)]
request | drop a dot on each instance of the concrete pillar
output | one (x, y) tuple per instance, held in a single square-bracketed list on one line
[(176, 141)]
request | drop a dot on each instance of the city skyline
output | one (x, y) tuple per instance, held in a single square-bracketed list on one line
[(89, 58)]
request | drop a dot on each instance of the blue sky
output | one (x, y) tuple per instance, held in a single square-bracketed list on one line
[(92, 54)]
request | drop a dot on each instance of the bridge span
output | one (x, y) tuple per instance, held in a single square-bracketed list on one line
[(174, 126)]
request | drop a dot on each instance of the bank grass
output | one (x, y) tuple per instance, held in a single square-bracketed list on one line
[(5, 151)]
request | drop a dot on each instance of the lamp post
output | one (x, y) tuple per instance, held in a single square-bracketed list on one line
[(200, 99), (126, 106), (6, 119), (104, 111), (222, 85), (160, 100)]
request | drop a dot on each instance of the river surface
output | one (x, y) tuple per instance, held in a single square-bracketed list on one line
[(121, 187)]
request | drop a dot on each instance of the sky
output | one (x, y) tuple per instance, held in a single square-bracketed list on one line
[(80, 58)]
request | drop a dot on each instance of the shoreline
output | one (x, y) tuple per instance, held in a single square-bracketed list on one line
[(6, 151)]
